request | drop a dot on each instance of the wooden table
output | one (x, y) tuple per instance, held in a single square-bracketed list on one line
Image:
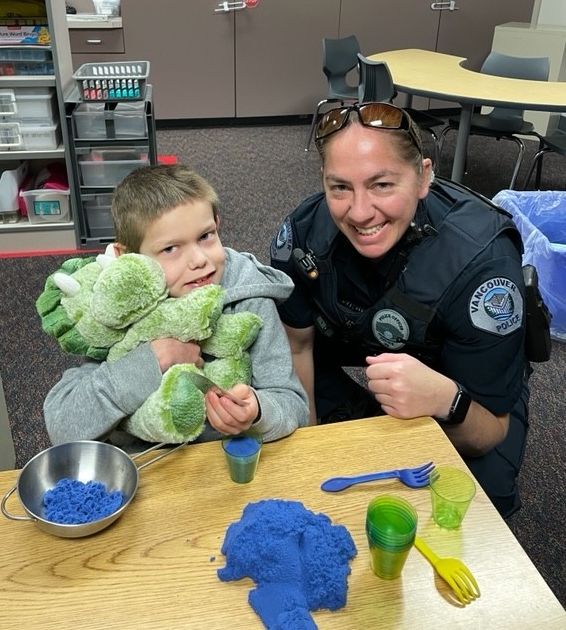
[(156, 566), (433, 74)]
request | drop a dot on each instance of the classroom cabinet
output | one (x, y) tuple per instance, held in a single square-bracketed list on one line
[(207, 63), (457, 27), (265, 59)]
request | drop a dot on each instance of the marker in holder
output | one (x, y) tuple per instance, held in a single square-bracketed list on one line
[(126, 81)]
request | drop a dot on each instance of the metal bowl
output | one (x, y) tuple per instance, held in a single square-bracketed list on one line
[(84, 461)]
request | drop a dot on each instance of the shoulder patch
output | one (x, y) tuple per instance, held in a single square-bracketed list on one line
[(282, 244), (497, 306)]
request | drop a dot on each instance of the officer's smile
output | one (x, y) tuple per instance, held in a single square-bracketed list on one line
[(370, 231)]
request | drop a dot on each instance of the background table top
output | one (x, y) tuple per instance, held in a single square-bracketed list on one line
[(156, 566), (429, 73)]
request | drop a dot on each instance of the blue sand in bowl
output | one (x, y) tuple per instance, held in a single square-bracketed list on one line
[(299, 561), (73, 502), (241, 446)]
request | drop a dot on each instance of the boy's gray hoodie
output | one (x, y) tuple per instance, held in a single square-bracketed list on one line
[(90, 401)]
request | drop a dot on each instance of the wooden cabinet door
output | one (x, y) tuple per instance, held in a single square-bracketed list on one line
[(382, 25), (279, 56), (467, 31), (191, 51)]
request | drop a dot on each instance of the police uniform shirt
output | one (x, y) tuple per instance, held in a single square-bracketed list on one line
[(485, 354)]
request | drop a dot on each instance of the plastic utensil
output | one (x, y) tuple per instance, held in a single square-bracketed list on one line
[(205, 384), (453, 571), (417, 477)]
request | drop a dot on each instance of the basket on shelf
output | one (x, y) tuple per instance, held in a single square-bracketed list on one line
[(110, 81)]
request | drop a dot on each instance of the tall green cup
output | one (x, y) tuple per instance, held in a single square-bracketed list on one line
[(391, 525)]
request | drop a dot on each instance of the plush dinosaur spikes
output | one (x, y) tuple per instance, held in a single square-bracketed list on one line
[(105, 307)]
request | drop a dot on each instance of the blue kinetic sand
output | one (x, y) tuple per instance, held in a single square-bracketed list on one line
[(73, 502)]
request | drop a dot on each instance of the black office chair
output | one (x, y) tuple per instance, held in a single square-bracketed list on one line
[(338, 59), (553, 142), (502, 122), (376, 84)]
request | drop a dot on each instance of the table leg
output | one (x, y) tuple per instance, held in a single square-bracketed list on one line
[(462, 142)]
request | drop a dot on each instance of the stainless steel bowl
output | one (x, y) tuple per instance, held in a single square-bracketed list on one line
[(82, 461)]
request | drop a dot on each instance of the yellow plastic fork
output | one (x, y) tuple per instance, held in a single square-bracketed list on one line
[(453, 571)]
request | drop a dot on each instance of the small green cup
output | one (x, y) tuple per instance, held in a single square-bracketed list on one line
[(391, 525), (242, 454), (451, 492)]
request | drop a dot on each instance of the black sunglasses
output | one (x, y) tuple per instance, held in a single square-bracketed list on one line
[(374, 115)]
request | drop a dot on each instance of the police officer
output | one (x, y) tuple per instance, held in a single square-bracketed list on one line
[(417, 280)]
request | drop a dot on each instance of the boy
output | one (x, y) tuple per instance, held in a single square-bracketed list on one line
[(170, 214)]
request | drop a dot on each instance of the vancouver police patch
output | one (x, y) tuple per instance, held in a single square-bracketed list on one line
[(497, 306), (282, 244), (390, 328)]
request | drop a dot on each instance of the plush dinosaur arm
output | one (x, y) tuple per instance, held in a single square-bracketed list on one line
[(234, 333), (188, 318)]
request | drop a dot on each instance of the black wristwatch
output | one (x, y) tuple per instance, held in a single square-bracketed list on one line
[(458, 408)]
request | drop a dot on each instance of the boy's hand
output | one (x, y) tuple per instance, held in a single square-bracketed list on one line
[(227, 417), (170, 352)]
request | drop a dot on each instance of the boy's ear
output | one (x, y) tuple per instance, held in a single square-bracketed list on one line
[(119, 249), (217, 220)]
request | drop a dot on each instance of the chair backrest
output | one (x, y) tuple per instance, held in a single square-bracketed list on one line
[(501, 65), (376, 83), (339, 56)]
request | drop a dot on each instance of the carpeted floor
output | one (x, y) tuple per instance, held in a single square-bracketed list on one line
[(261, 173)]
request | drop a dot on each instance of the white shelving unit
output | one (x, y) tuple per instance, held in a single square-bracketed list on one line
[(24, 236)]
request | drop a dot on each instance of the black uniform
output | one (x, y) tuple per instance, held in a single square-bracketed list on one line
[(450, 293)]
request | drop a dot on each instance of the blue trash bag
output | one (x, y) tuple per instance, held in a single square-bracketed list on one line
[(540, 217)]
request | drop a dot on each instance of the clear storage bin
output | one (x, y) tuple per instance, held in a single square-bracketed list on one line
[(130, 121), (29, 136), (98, 215), (25, 60), (11, 179), (100, 121), (108, 167), (26, 103), (47, 205)]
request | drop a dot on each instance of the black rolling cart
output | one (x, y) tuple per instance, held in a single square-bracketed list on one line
[(110, 135)]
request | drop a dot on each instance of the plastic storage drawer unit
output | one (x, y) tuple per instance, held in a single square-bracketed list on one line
[(108, 167), (98, 215), (47, 205)]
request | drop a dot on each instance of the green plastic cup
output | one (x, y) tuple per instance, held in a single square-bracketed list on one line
[(451, 492), (391, 525), (242, 454)]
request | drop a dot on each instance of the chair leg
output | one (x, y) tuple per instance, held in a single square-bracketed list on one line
[(519, 161), (436, 154), (537, 161), (443, 134), (313, 122)]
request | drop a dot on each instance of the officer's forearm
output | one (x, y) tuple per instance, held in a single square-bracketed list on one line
[(480, 432)]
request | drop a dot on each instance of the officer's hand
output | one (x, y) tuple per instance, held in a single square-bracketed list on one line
[(170, 352), (407, 388), (228, 417)]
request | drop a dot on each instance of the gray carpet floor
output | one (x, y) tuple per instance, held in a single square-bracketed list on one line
[(261, 173)]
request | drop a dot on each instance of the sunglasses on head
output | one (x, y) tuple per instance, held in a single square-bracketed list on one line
[(374, 115)]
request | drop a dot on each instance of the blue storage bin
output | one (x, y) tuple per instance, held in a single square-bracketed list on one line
[(541, 219)]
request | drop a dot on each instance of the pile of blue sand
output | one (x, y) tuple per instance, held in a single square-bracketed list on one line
[(73, 502), (298, 560)]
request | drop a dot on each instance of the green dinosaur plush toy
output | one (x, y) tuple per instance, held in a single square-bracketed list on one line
[(104, 307)]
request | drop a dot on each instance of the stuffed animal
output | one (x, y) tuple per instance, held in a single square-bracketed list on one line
[(104, 307)]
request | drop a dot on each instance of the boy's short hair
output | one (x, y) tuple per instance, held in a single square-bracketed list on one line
[(148, 192)]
